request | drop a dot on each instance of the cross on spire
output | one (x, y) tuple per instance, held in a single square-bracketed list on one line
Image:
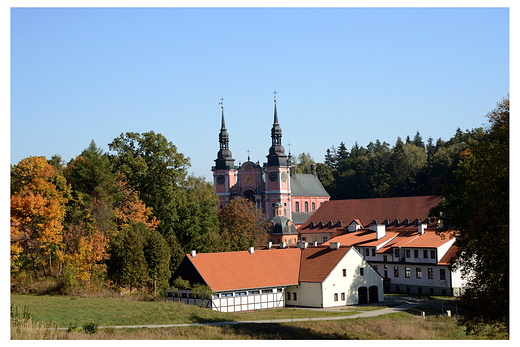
[(221, 103), (248, 159), (275, 95)]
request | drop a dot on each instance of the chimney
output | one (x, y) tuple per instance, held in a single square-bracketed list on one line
[(380, 231), (334, 245), (193, 254), (302, 244), (282, 244), (421, 228), (315, 243), (252, 250), (269, 244)]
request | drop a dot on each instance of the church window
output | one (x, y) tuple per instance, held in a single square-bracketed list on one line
[(313, 207), (306, 206), (297, 206)]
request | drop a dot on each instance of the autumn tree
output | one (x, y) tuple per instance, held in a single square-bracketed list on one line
[(476, 211), (242, 225), (304, 163), (39, 193)]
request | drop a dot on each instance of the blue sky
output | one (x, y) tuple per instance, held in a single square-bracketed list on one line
[(341, 74)]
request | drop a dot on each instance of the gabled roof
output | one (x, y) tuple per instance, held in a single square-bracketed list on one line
[(362, 238), (318, 262), (242, 270), (367, 210), (307, 185), (428, 240), (449, 256)]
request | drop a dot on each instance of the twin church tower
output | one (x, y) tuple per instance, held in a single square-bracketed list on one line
[(274, 187)]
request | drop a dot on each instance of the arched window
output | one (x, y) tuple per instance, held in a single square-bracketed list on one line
[(313, 207), (306, 206), (297, 206)]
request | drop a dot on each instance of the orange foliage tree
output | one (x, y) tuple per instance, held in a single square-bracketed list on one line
[(39, 193)]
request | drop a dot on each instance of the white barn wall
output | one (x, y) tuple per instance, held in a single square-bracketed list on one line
[(308, 294)]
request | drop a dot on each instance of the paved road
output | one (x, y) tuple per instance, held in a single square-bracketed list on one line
[(403, 303)]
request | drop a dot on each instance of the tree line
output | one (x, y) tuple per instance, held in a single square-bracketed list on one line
[(123, 219), (408, 168)]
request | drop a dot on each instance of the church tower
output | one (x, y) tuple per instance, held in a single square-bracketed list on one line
[(224, 171), (277, 171)]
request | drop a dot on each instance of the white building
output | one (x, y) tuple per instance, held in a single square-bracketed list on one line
[(308, 276)]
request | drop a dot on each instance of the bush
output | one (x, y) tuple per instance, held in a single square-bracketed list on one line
[(19, 314), (90, 328)]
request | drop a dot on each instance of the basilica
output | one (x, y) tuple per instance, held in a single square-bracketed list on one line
[(274, 188)]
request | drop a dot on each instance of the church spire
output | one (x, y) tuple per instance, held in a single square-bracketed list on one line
[(224, 158), (276, 155)]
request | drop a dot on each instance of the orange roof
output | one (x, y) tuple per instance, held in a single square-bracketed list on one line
[(427, 240), (362, 237), (366, 210), (449, 256), (318, 262), (242, 270)]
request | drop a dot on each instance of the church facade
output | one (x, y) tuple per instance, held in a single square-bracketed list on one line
[(273, 188)]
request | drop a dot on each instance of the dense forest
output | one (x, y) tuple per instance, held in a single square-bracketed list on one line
[(409, 168)]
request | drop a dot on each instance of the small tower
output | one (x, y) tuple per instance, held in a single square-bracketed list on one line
[(224, 171)]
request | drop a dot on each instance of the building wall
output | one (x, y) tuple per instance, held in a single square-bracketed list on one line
[(308, 294), (318, 237)]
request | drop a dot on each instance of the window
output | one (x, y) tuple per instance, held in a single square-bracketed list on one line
[(396, 271), (416, 253), (297, 206), (344, 272), (407, 272), (362, 271), (267, 290), (375, 267), (418, 272), (306, 206), (385, 258), (419, 290), (396, 252), (367, 252), (294, 296), (304, 239), (443, 274), (408, 253), (432, 254), (373, 252), (253, 292), (325, 238), (335, 296), (313, 207), (288, 296), (342, 296), (430, 273), (425, 254)]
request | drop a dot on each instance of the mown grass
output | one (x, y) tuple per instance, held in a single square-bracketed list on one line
[(106, 311)]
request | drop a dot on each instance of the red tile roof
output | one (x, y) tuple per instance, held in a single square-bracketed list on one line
[(242, 270), (428, 240), (362, 237), (366, 210), (318, 262), (449, 256)]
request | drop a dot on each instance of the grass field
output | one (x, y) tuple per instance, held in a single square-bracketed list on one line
[(49, 312)]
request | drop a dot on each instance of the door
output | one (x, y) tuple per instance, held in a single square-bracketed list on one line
[(362, 295), (374, 294)]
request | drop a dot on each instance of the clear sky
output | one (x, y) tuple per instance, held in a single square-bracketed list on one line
[(341, 74)]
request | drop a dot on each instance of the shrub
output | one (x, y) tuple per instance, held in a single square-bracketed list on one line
[(90, 328)]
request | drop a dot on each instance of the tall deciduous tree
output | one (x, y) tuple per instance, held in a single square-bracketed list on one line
[(242, 225), (476, 210), (39, 193), (153, 167)]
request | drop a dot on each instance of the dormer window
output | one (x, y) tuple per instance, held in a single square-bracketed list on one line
[(313, 224), (387, 221), (417, 221), (397, 221), (375, 222), (331, 224), (321, 224), (340, 223), (427, 220), (407, 221)]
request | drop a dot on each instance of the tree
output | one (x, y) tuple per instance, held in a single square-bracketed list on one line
[(476, 211), (153, 167), (242, 225), (157, 255), (39, 193), (303, 163)]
